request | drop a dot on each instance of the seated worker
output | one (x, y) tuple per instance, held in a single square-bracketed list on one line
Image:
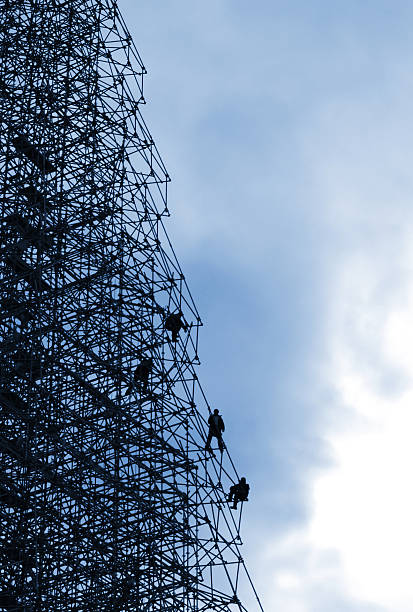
[(216, 427), (174, 324), (141, 375), (239, 492)]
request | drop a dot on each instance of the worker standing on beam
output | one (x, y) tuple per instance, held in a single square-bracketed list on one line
[(216, 427)]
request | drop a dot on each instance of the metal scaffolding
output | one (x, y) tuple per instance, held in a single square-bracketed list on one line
[(108, 499)]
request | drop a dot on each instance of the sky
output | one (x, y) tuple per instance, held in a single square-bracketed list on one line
[(286, 127)]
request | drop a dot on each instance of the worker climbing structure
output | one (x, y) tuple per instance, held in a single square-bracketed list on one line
[(108, 499)]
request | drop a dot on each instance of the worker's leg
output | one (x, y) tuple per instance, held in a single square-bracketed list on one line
[(220, 444), (232, 492), (208, 442)]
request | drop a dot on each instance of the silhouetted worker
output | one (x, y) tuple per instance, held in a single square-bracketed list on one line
[(216, 427), (239, 492), (141, 375), (174, 324)]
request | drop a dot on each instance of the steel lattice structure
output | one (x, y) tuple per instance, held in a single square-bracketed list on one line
[(108, 500)]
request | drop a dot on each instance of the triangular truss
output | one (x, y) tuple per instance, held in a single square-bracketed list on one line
[(108, 499)]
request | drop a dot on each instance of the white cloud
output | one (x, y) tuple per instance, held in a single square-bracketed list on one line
[(304, 577), (363, 507), (357, 547)]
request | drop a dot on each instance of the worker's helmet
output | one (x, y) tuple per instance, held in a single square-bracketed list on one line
[(216, 411), (243, 480)]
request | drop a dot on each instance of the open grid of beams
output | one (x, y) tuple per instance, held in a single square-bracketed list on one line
[(108, 500)]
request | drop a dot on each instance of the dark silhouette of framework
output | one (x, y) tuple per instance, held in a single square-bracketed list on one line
[(108, 500)]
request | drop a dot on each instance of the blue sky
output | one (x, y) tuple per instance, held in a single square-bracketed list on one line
[(286, 128)]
